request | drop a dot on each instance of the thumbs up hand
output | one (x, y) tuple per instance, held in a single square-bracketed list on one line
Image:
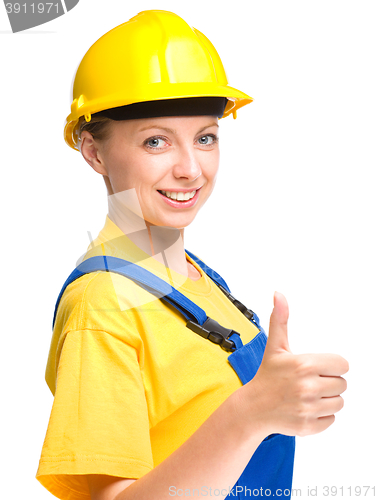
[(293, 394)]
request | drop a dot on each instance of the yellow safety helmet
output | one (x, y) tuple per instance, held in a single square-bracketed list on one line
[(154, 56)]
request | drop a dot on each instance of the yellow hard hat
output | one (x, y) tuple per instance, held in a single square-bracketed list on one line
[(154, 56)]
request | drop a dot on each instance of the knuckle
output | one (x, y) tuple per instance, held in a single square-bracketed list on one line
[(302, 413), (304, 365), (304, 428), (302, 433), (306, 390)]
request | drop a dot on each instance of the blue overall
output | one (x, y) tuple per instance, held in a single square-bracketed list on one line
[(269, 471)]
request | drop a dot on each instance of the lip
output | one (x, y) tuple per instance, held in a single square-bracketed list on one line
[(181, 190), (180, 204)]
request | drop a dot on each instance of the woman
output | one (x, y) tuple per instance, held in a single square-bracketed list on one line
[(156, 395)]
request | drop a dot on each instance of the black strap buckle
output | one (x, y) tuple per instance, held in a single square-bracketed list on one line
[(250, 315), (214, 332)]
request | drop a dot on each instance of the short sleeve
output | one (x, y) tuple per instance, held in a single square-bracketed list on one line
[(99, 423)]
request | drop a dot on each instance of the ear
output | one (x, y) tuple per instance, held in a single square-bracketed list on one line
[(91, 153)]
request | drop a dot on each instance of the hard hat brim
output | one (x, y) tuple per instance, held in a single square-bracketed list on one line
[(188, 106), (82, 107)]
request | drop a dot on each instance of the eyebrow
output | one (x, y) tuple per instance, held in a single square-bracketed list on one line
[(171, 131)]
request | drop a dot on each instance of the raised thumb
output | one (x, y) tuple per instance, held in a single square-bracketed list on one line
[(278, 334)]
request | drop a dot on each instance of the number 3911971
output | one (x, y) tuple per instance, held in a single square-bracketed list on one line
[(33, 8)]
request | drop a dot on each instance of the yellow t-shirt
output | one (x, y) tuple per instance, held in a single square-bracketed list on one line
[(131, 382)]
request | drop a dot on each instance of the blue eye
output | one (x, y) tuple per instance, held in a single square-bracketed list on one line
[(208, 140), (155, 142)]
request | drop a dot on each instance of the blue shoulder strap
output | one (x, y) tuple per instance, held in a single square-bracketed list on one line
[(197, 320), (210, 272), (142, 277), (224, 287)]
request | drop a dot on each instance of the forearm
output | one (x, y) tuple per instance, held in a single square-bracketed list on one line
[(213, 457)]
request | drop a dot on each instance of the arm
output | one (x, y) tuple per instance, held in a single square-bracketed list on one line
[(291, 394), (213, 457)]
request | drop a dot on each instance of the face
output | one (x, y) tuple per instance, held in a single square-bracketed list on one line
[(171, 162)]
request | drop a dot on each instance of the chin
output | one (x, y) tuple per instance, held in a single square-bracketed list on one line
[(175, 223)]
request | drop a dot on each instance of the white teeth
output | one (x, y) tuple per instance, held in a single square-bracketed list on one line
[(180, 196)]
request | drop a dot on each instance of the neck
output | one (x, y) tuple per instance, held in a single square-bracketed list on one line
[(165, 244)]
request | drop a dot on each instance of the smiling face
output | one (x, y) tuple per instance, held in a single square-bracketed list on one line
[(171, 162)]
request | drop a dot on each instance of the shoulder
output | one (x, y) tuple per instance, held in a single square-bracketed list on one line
[(100, 305), (100, 301), (113, 291)]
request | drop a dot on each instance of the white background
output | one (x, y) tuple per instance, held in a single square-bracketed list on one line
[(295, 208)]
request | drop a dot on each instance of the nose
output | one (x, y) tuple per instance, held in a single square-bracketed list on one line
[(187, 165)]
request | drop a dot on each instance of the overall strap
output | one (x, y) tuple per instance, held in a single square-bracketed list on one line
[(251, 316), (142, 277), (210, 272), (197, 320)]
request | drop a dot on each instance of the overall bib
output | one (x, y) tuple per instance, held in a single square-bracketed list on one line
[(270, 469)]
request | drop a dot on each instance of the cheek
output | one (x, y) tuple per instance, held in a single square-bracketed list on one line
[(212, 169), (123, 171)]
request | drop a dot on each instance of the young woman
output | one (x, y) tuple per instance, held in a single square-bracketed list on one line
[(164, 384)]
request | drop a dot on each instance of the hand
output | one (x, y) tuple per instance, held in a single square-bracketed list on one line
[(293, 394)]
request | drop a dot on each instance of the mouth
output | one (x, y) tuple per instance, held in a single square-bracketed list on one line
[(179, 195), (180, 199)]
